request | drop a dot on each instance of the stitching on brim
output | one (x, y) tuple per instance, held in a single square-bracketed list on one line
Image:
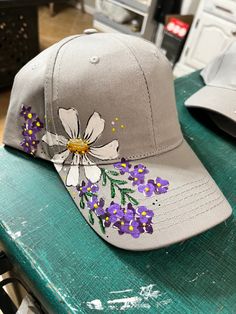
[(194, 216), (176, 189), (187, 204)]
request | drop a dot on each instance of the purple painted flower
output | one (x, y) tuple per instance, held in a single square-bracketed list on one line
[(129, 212), (132, 228), (136, 177), (145, 227), (108, 219), (26, 113), (161, 186), (144, 214), (116, 211), (147, 189), (123, 166), (87, 188), (29, 130), (37, 124), (29, 145), (141, 169), (96, 205)]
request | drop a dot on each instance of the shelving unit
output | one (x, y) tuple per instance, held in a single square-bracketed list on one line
[(144, 10)]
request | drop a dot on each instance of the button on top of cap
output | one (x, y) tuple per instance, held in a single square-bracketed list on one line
[(89, 31)]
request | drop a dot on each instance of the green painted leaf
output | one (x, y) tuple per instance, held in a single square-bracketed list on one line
[(122, 198), (132, 200), (102, 226), (81, 204), (113, 192), (114, 173), (90, 194), (91, 219), (104, 178), (126, 191), (120, 182)]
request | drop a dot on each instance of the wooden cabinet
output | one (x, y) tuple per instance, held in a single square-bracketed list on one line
[(213, 29)]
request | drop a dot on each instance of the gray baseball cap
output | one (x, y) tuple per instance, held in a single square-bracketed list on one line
[(219, 94), (101, 107)]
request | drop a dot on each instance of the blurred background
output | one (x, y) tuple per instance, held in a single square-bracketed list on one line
[(189, 32)]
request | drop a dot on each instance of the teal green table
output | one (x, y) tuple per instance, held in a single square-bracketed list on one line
[(71, 270)]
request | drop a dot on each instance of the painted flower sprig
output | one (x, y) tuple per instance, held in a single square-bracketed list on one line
[(32, 125), (126, 217)]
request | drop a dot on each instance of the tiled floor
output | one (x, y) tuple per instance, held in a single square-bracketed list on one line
[(66, 22)]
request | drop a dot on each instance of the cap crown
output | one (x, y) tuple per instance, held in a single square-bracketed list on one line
[(124, 79), (220, 72)]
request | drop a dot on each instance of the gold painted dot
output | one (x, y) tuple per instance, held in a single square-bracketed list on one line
[(113, 129), (116, 119), (122, 126)]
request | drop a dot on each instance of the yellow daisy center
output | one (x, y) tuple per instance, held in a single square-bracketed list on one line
[(131, 228), (77, 146), (107, 218), (38, 123), (144, 213), (26, 144), (30, 132), (88, 189), (95, 205), (159, 184), (122, 223), (146, 189), (140, 170), (135, 179), (123, 165), (30, 115), (115, 211)]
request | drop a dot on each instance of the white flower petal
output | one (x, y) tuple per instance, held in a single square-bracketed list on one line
[(92, 171), (73, 173), (58, 167), (70, 121), (54, 139), (60, 157), (94, 128), (106, 152)]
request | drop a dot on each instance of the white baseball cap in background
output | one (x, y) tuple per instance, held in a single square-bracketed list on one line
[(219, 94), (101, 108)]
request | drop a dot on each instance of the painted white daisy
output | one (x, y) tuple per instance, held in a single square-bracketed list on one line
[(81, 147)]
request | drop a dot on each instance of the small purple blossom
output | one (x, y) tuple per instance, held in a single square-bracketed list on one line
[(123, 166), (29, 130), (136, 178), (108, 219), (132, 228), (115, 211), (144, 214), (160, 185), (140, 169), (129, 212), (145, 227), (147, 189), (37, 124), (29, 145), (96, 205), (26, 113), (87, 188)]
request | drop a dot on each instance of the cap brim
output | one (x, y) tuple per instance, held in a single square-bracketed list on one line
[(192, 204), (217, 100)]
